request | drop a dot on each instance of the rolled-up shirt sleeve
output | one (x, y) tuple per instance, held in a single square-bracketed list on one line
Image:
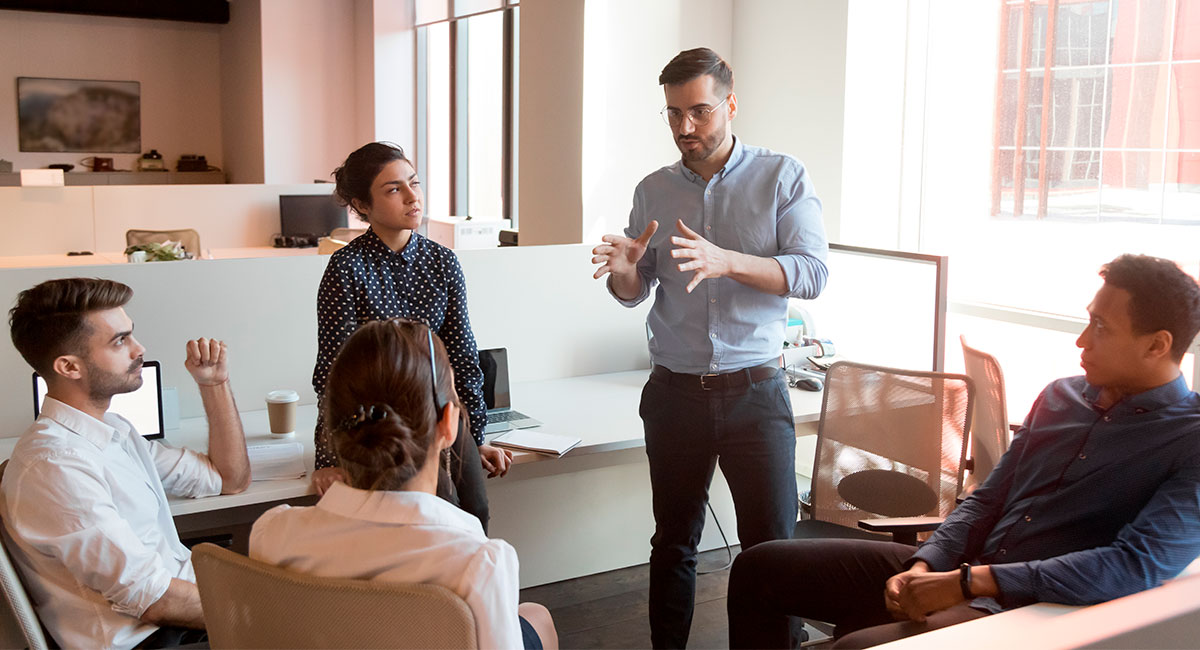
[(64, 510), (803, 247), (184, 472), (645, 266)]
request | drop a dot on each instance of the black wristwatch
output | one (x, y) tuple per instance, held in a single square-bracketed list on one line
[(964, 580)]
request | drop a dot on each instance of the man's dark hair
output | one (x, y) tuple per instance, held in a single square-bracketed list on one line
[(690, 64), (1161, 297), (48, 320)]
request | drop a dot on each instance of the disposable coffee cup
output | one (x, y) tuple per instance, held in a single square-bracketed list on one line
[(281, 411)]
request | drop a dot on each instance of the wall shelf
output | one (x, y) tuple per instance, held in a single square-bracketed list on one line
[(128, 178)]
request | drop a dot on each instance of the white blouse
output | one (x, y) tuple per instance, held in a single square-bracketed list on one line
[(409, 537)]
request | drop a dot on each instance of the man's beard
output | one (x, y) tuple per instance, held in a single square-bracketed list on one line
[(708, 146), (102, 385)]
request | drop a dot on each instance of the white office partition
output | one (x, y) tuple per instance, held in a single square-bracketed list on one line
[(884, 307), (542, 304)]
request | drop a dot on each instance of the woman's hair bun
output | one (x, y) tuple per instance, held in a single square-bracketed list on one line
[(381, 442)]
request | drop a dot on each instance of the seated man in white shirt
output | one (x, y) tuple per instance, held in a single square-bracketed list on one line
[(84, 496)]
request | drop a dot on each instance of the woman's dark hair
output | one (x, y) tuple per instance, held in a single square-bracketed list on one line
[(355, 176), (690, 64), (379, 402), (1161, 297), (49, 320)]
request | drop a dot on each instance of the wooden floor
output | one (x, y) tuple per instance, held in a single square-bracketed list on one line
[(608, 610)]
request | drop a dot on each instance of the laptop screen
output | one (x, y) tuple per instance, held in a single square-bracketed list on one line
[(494, 364), (142, 407)]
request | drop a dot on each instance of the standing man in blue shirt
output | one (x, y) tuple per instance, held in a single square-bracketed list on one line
[(742, 234), (1097, 498)]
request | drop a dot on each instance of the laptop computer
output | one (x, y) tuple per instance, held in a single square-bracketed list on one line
[(501, 416), (143, 407)]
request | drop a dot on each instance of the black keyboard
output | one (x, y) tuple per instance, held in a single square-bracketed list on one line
[(506, 416)]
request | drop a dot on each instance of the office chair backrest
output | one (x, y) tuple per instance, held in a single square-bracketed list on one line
[(989, 431), (891, 443), (19, 624), (187, 237), (346, 234), (251, 604)]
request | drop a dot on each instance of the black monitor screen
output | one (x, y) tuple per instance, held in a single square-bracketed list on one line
[(314, 215), (494, 364)]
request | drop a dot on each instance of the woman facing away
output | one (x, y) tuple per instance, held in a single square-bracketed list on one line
[(391, 412), (388, 272)]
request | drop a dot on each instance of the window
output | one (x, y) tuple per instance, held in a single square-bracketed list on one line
[(466, 106), (1098, 111)]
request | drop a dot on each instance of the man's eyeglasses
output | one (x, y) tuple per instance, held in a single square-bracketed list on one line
[(699, 115)]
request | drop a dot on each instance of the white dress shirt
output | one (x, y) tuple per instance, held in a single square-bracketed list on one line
[(409, 537), (86, 519)]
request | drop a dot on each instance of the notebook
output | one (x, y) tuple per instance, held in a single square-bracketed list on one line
[(539, 441), (143, 407), (501, 416)]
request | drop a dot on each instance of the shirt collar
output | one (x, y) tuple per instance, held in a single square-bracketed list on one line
[(399, 507), (97, 432), (1145, 401), (373, 243), (735, 157)]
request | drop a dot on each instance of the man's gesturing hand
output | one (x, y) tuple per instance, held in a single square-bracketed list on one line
[(707, 259), (619, 255)]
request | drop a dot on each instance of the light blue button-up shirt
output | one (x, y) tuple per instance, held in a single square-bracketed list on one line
[(761, 203)]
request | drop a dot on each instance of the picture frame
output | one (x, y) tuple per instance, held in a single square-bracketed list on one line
[(78, 115)]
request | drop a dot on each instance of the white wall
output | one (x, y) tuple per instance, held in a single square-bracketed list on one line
[(626, 45), (789, 63), (242, 92), (309, 88), (177, 64)]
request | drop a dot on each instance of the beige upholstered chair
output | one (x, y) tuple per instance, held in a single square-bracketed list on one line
[(19, 624), (346, 234), (250, 604), (188, 238), (891, 443), (990, 434)]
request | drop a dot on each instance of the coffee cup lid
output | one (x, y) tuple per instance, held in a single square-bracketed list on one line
[(283, 396)]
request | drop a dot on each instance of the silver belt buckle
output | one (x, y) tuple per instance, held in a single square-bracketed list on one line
[(703, 385)]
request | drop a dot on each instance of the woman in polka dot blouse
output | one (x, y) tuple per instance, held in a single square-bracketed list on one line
[(391, 271)]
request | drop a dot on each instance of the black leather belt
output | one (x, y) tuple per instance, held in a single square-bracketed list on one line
[(738, 379)]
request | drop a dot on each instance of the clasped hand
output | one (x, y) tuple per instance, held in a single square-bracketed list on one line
[(206, 361), (918, 592)]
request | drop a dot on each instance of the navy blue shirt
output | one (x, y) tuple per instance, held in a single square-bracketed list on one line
[(366, 281), (1088, 504)]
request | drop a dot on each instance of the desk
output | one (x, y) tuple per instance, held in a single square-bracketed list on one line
[(548, 508)]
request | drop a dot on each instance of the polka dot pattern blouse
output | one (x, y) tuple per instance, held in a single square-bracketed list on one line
[(366, 281)]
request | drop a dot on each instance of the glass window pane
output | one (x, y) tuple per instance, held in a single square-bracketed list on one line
[(515, 202), (485, 114), (1137, 107), (1012, 40), (437, 106), (1074, 181), (1141, 31), (1187, 30), (468, 7), (1132, 186), (1006, 113), (1183, 119), (430, 11), (1081, 33), (1076, 119), (1037, 34), (1181, 200)]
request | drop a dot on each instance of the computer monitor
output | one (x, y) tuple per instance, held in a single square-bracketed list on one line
[(309, 215), (143, 407)]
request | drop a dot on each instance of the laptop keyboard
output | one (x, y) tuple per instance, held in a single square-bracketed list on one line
[(506, 416)]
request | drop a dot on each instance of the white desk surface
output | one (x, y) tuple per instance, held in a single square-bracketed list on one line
[(602, 410)]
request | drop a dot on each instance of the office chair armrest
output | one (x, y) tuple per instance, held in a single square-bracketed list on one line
[(903, 529)]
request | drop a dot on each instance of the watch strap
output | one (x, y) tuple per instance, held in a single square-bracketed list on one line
[(964, 580)]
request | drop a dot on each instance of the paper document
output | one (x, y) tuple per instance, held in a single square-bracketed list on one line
[(539, 441), (276, 461)]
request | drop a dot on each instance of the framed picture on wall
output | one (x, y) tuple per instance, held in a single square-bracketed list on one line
[(79, 115)]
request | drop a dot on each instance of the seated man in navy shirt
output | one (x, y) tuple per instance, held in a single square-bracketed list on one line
[(1098, 497)]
